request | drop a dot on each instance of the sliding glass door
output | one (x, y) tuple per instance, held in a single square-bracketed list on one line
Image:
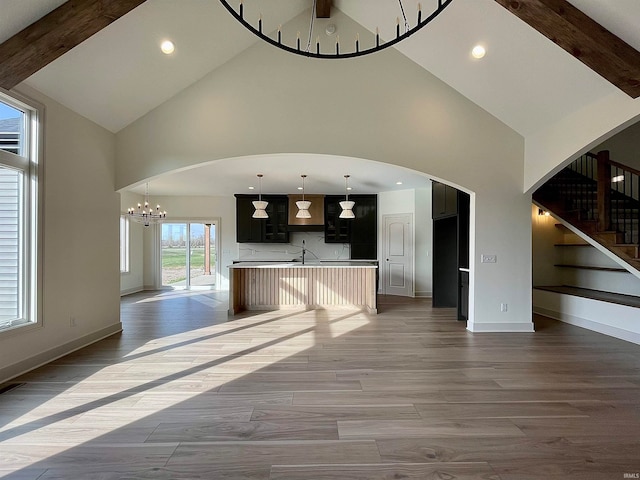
[(188, 255)]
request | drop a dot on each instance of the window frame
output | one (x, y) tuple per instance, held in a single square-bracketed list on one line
[(125, 244), (31, 217)]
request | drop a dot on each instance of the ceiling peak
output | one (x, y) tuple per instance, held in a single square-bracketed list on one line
[(323, 9)]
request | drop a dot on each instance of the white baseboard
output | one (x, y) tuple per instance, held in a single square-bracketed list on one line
[(496, 327), (589, 325), (424, 294), (132, 290), (12, 371)]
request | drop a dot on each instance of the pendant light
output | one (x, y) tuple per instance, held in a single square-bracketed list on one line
[(259, 205), (346, 205), (303, 205)]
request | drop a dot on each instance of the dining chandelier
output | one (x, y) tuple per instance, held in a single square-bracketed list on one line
[(312, 49), (145, 214)]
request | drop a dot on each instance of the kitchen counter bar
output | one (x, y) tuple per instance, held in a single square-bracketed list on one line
[(291, 285)]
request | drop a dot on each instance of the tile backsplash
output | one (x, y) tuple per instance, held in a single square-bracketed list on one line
[(317, 249)]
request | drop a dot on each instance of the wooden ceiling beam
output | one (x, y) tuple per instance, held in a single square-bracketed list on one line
[(585, 39), (323, 9), (55, 34)]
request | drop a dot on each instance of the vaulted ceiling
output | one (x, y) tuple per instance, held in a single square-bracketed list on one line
[(525, 80)]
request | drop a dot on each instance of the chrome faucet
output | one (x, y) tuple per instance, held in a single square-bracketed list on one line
[(304, 250)]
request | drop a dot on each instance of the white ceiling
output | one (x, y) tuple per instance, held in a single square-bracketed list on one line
[(119, 74), (18, 14), (282, 175)]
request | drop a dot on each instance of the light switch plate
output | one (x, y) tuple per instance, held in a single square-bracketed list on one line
[(488, 258)]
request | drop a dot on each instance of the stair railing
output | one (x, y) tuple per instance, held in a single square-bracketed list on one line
[(579, 190), (624, 201), (599, 189)]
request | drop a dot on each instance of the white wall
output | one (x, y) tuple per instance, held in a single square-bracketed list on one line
[(259, 103), (133, 280), (625, 146), (544, 255), (423, 242), (80, 254)]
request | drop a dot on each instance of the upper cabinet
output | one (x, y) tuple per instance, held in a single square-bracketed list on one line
[(248, 229), (269, 230), (361, 232), (445, 201), (364, 228), (336, 229)]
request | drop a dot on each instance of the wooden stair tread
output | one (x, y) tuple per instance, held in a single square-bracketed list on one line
[(573, 245), (591, 267), (617, 298)]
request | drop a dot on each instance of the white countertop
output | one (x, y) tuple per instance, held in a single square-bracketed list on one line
[(311, 264)]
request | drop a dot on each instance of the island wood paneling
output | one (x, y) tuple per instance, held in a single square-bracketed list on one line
[(296, 287)]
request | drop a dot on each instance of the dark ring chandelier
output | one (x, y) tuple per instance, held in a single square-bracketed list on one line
[(310, 50)]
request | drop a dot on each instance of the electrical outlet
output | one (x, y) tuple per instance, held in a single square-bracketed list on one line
[(72, 321), (503, 307), (488, 258)]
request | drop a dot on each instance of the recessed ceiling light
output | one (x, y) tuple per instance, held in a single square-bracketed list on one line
[(252, 188), (398, 183), (299, 188), (478, 51), (349, 188), (167, 47)]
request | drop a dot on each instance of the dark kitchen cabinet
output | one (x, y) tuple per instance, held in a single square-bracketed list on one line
[(248, 229), (463, 296), (444, 201), (336, 229), (451, 248), (445, 262), (255, 230), (364, 228), (361, 232)]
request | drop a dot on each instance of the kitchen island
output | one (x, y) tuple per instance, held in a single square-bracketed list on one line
[(292, 285)]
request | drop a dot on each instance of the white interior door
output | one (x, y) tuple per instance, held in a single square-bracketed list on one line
[(397, 249)]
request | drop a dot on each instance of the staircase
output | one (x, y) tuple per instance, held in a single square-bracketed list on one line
[(601, 198)]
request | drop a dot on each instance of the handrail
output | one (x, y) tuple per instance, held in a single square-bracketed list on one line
[(625, 167)]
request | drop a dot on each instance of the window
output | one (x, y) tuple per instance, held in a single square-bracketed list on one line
[(124, 244), (18, 214)]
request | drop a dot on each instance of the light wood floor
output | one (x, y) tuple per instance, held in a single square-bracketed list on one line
[(185, 393)]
